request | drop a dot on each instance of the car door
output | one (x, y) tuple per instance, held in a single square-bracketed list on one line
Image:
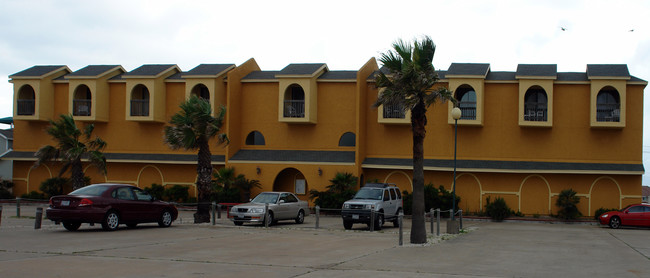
[(282, 209), (633, 216), (144, 209), (293, 205), (645, 221), (389, 204), (125, 203)]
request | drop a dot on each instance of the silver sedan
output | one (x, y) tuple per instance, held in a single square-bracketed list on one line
[(282, 206)]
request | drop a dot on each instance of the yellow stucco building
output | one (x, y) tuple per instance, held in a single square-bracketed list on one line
[(524, 135)]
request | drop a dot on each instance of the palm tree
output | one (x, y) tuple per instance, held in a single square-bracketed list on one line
[(225, 177), (409, 84), (191, 129), (70, 149), (245, 185), (342, 182)]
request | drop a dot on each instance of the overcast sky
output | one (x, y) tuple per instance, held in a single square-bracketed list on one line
[(343, 34)]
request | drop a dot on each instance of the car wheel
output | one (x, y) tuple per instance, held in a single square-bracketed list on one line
[(615, 222), (165, 219), (396, 220), (71, 226), (347, 224), (301, 217), (132, 225), (269, 219), (111, 221), (380, 221), (239, 223)]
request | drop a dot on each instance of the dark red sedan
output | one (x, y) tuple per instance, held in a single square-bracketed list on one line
[(632, 215), (110, 205)]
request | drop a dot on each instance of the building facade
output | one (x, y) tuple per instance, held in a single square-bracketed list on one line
[(524, 135)]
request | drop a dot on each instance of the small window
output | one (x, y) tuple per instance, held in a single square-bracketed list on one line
[(636, 209), (291, 199), (255, 138), (294, 102), (392, 194), (201, 91), (608, 105), (386, 195), (142, 195), (348, 139), (123, 193), (140, 101), (26, 102), (82, 101), (466, 97), (394, 111), (535, 105)]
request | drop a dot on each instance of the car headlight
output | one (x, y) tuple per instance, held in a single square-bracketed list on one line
[(233, 209), (604, 215), (256, 210), (346, 206), (369, 206)]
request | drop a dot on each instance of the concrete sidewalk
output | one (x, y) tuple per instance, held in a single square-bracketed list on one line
[(288, 250)]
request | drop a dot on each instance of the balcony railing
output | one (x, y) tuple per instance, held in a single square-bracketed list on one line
[(81, 107), (609, 112), (294, 108), (394, 111), (139, 107), (26, 107), (468, 110), (536, 114)]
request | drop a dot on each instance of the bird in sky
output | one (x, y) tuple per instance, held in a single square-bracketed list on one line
[(563, 29)]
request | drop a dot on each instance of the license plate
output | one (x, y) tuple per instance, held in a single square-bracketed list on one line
[(65, 203), (355, 216)]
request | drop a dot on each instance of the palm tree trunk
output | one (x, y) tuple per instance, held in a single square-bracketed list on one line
[(418, 123), (203, 183), (77, 175)]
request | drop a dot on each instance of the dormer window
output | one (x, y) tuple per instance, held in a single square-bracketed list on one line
[(466, 97), (140, 101), (26, 100), (201, 91), (608, 105), (82, 101), (294, 102), (535, 105)]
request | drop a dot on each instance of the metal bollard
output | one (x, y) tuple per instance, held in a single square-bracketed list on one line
[(431, 215), (266, 215), (213, 208), (401, 228), (39, 218), (317, 210), (372, 221), (461, 218), (18, 207), (438, 222), (218, 211)]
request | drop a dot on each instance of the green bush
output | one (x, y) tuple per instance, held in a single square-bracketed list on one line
[(567, 203), (156, 190), (600, 211), (341, 189), (226, 195), (177, 193), (55, 186), (497, 210), (434, 198), (34, 195)]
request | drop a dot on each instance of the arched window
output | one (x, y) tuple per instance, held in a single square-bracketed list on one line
[(82, 101), (294, 102), (348, 139), (535, 105), (201, 91), (255, 138), (466, 97), (140, 101), (26, 101), (608, 105)]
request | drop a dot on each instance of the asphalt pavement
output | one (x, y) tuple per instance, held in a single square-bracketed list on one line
[(483, 249)]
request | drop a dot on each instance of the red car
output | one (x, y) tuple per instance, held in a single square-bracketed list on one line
[(632, 215), (110, 205)]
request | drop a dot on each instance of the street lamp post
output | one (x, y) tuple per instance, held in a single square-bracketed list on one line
[(456, 114)]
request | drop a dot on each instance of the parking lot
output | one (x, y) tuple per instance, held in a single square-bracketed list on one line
[(487, 249)]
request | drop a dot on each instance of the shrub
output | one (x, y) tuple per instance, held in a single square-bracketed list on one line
[(5, 185), (434, 198), (55, 186), (567, 203), (341, 189), (156, 190), (497, 210), (600, 211), (225, 195), (177, 193), (34, 195)]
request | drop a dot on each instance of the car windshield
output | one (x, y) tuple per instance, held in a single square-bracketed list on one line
[(264, 198), (94, 190), (369, 194)]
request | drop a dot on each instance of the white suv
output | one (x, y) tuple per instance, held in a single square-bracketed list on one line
[(382, 198)]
